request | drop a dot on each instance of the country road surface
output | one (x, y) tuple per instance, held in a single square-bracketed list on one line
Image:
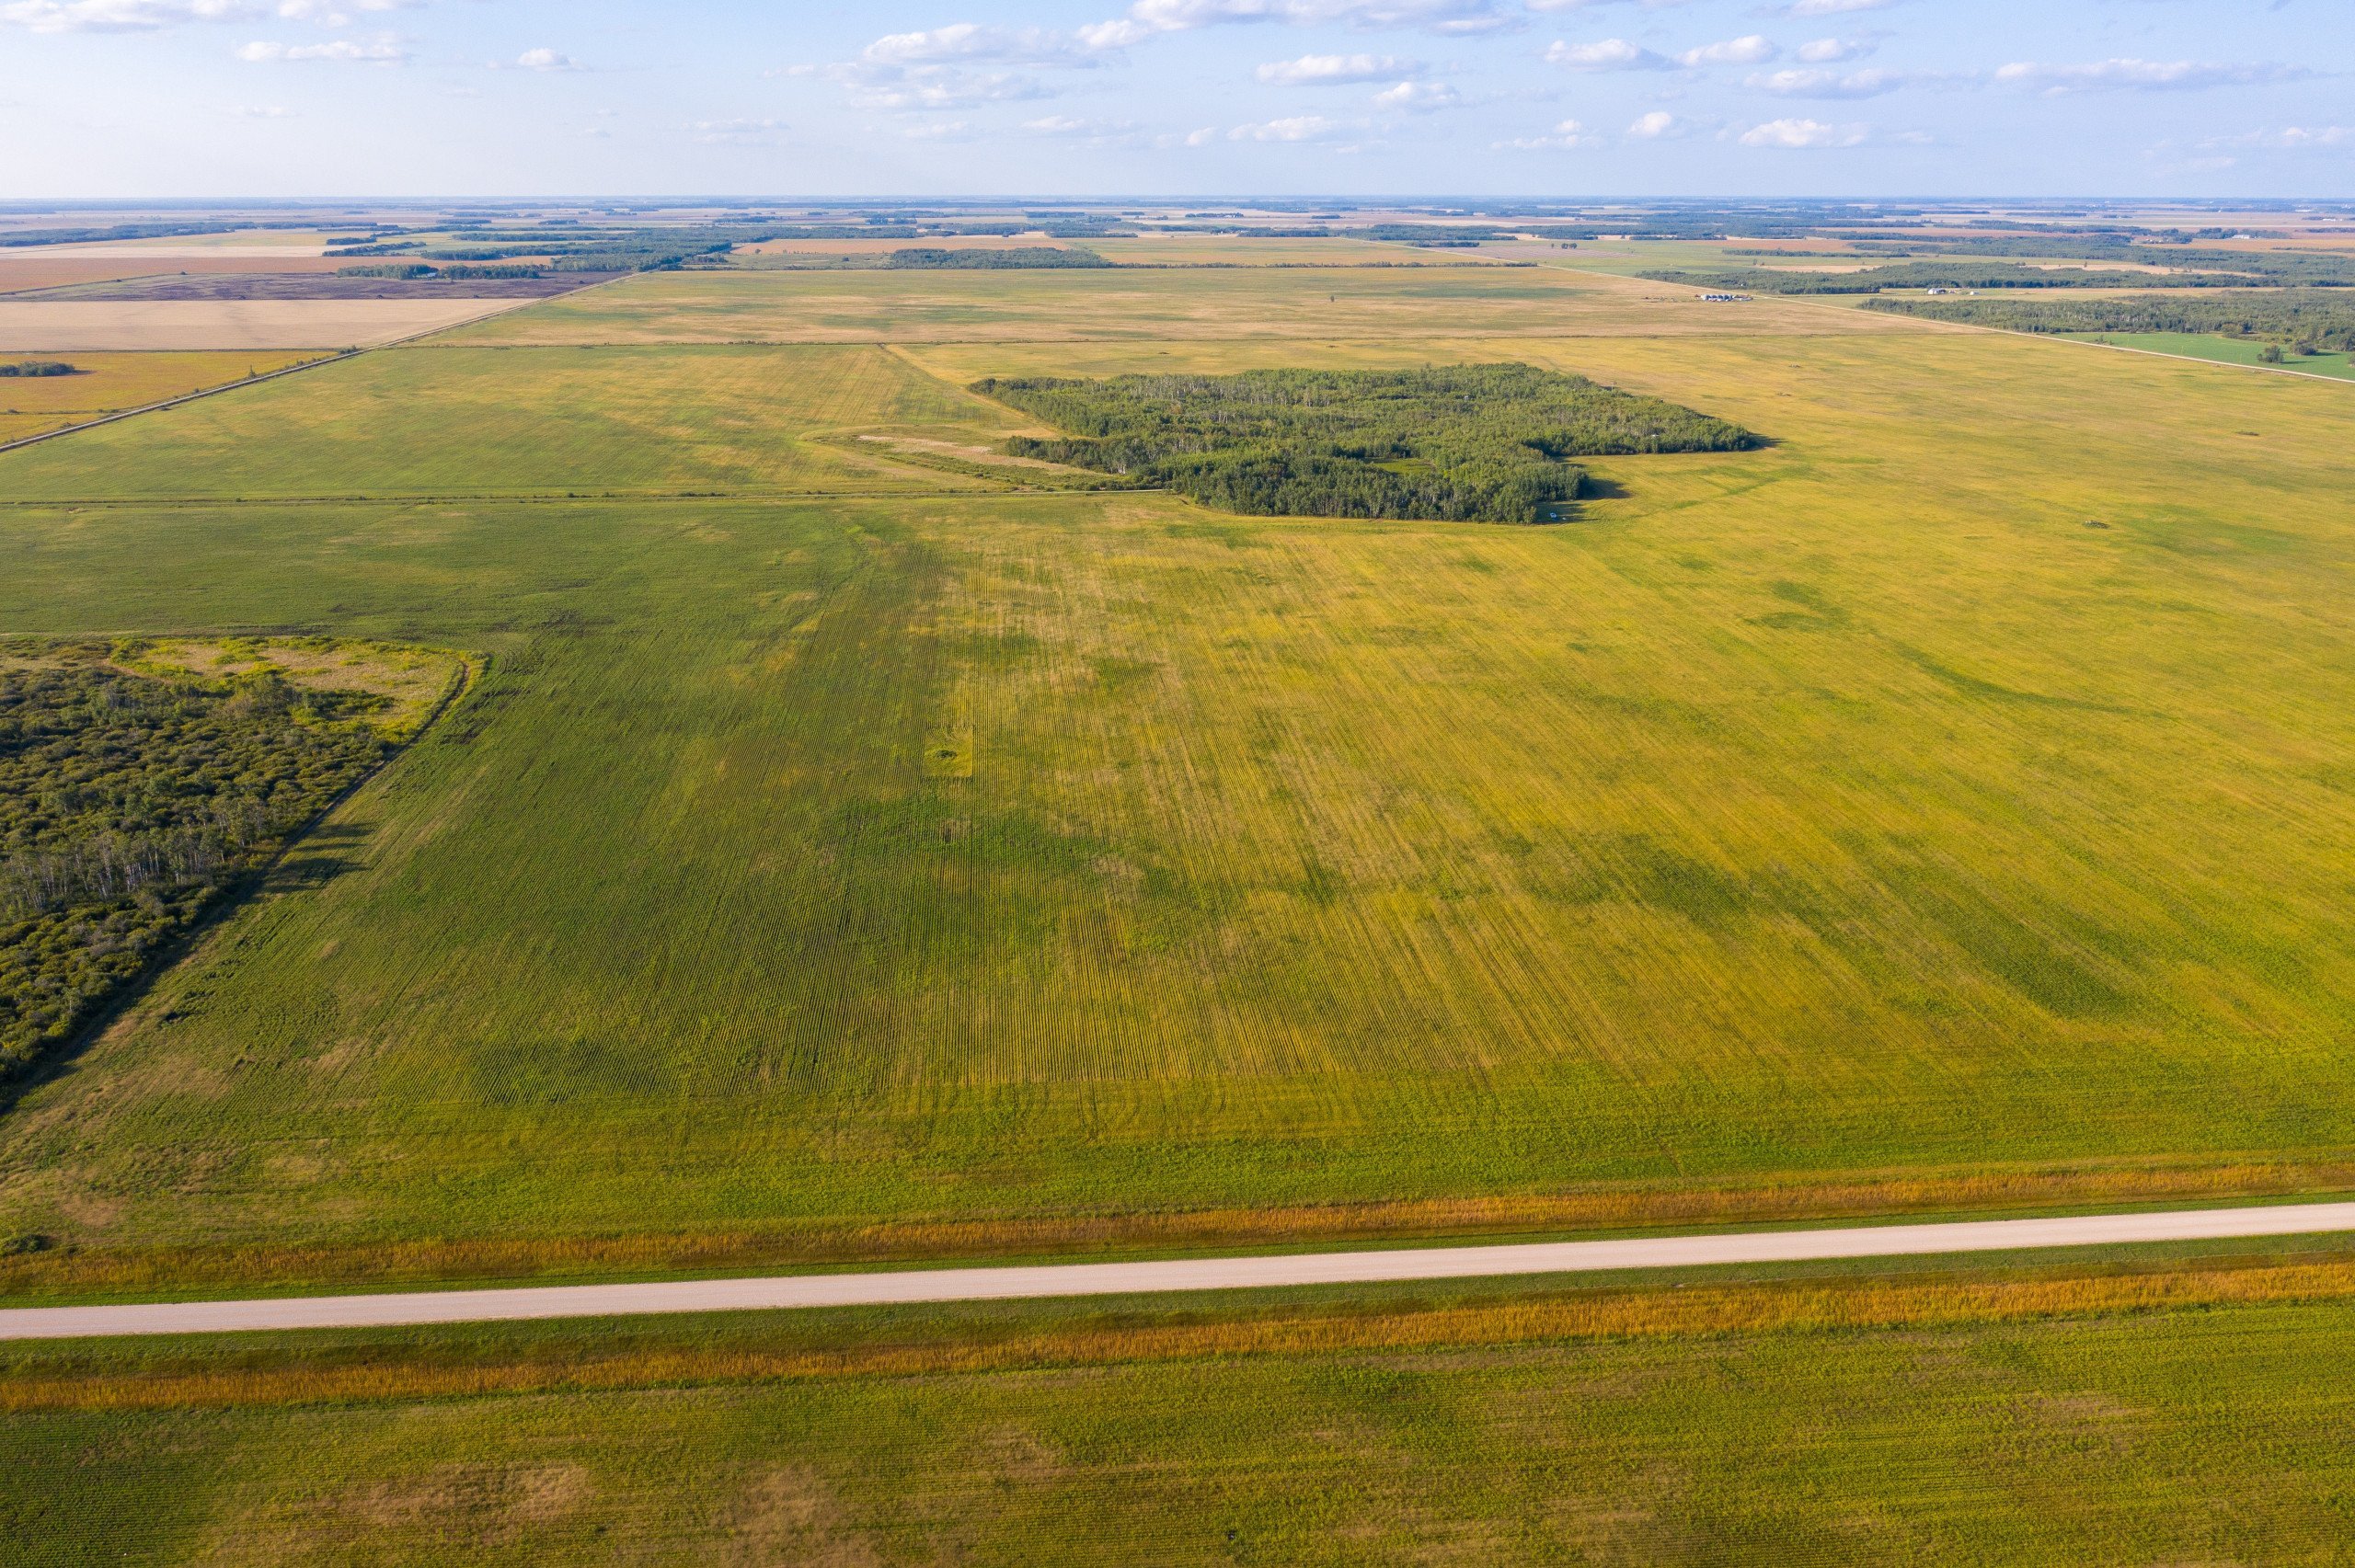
[(1168, 1275)]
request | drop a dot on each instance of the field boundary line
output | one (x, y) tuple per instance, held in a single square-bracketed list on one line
[(1164, 1277)]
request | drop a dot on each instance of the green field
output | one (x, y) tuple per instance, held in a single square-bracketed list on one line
[(2223, 350), (1000, 869)]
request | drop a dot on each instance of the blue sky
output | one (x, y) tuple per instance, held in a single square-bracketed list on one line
[(1545, 97)]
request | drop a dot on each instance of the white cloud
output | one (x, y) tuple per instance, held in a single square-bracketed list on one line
[(1149, 18), (1070, 127), (1418, 98), (731, 133), (1569, 133), (1293, 127), (1610, 54), (1832, 50), (545, 60), (1824, 84), (1337, 70), (1833, 7), (1656, 126), (1747, 50), (1802, 133), (1583, 5), (262, 112), (382, 50), (338, 12), (150, 16), (2147, 75), (939, 130), (122, 15), (2291, 138), (970, 40), (1201, 138)]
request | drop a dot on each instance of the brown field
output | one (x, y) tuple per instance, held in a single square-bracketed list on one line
[(21, 270), (66, 327), (111, 382)]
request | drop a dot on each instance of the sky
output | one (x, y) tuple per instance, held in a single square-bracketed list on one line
[(1568, 98)]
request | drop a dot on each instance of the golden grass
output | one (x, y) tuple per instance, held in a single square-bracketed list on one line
[(1694, 1311), (111, 382), (415, 682)]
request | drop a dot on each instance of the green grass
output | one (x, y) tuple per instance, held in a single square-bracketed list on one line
[(1844, 809), (2223, 350), (440, 421), (2130, 1438)]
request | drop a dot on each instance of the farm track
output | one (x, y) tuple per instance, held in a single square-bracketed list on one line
[(1168, 1275)]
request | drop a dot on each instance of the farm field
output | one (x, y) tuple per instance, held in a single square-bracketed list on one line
[(110, 383), (1799, 830), (2119, 1435), (1062, 306), (2223, 350), (36, 268), (536, 422), (65, 327)]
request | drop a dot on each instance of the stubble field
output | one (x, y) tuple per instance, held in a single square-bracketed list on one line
[(108, 384)]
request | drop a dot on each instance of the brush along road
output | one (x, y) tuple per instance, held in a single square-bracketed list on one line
[(1168, 1275)]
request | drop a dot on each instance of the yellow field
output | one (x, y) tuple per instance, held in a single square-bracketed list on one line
[(1339, 303), (442, 421), (113, 382), (1234, 250), (1844, 812)]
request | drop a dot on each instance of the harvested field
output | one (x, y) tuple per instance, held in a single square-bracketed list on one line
[(1234, 250), (435, 421), (24, 270), (75, 327), (330, 286), (108, 384), (1336, 303)]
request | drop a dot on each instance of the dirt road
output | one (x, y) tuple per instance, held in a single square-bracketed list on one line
[(1169, 1274)]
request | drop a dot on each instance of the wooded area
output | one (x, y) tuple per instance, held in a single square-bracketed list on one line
[(1471, 443), (128, 802), (2312, 320)]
